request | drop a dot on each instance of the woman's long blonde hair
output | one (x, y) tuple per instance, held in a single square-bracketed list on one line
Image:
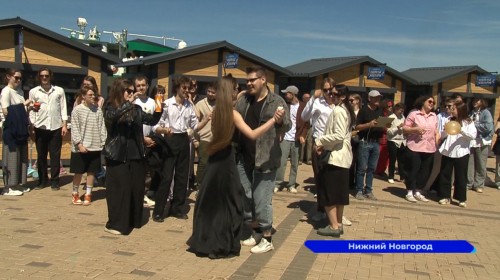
[(222, 117)]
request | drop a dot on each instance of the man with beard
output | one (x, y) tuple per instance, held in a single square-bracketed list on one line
[(257, 161), (292, 140)]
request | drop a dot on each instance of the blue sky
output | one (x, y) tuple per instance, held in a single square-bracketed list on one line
[(403, 34)]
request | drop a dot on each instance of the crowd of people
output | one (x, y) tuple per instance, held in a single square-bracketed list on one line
[(243, 141)]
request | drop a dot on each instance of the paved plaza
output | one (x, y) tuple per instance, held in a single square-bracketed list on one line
[(44, 236)]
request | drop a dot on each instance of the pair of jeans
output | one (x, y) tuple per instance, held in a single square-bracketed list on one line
[(476, 173), (259, 189), (288, 148), (368, 153)]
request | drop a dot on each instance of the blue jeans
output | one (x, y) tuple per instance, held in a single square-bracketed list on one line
[(368, 152), (288, 148), (258, 200)]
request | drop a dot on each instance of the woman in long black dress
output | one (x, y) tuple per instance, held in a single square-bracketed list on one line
[(218, 213)]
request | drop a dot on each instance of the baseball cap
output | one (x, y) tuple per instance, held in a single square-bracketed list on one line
[(374, 93), (292, 89)]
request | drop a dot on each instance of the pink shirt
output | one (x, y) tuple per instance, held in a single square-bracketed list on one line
[(425, 143)]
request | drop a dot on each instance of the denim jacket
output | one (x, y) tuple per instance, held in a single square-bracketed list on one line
[(267, 147), (484, 125)]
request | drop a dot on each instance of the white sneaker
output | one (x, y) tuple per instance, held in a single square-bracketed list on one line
[(420, 197), (249, 242), (462, 204), (24, 189), (276, 189), (444, 201), (292, 189), (346, 221), (264, 246), (391, 181), (148, 202), (410, 198), (11, 192)]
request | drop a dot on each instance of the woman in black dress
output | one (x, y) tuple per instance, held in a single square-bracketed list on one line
[(124, 153), (218, 212)]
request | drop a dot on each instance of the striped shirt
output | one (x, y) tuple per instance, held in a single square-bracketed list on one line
[(87, 127)]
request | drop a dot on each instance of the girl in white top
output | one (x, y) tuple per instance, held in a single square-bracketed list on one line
[(455, 150), (15, 158)]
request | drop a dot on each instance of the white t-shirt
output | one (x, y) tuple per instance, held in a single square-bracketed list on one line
[(290, 135), (148, 106)]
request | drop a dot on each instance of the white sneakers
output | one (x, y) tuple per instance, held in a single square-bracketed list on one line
[(346, 221), (292, 189), (262, 247), (391, 181), (148, 202), (444, 201), (249, 242), (416, 197), (11, 192), (420, 197), (410, 198)]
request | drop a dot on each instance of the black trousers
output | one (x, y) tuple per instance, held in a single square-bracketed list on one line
[(396, 153), (460, 166), (125, 184), (48, 142), (177, 163), (419, 169)]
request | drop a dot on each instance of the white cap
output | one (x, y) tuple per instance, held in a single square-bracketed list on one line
[(374, 93)]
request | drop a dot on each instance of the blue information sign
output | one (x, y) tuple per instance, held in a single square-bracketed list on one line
[(485, 81), (231, 61), (376, 73), (391, 246)]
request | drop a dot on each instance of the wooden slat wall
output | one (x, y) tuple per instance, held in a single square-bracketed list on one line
[(399, 90), (39, 50), (204, 64), (94, 69), (457, 84), (163, 74), (7, 49), (348, 76)]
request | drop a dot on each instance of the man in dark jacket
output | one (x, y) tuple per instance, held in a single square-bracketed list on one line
[(258, 160)]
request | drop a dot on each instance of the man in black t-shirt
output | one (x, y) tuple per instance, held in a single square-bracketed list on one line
[(368, 151), (257, 161)]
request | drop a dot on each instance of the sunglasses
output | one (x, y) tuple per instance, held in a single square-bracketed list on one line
[(430, 101), (18, 78), (130, 91), (44, 76), (327, 90), (351, 100)]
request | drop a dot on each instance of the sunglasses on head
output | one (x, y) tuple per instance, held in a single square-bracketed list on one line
[(130, 91)]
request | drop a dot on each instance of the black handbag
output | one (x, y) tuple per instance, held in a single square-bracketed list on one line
[(323, 159)]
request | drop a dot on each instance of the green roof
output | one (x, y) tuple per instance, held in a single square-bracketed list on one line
[(142, 46)]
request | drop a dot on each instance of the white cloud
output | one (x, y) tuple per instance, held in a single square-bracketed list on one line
[(377, 39)]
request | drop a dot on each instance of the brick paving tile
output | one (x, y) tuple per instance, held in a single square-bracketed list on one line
[(73, 241)]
